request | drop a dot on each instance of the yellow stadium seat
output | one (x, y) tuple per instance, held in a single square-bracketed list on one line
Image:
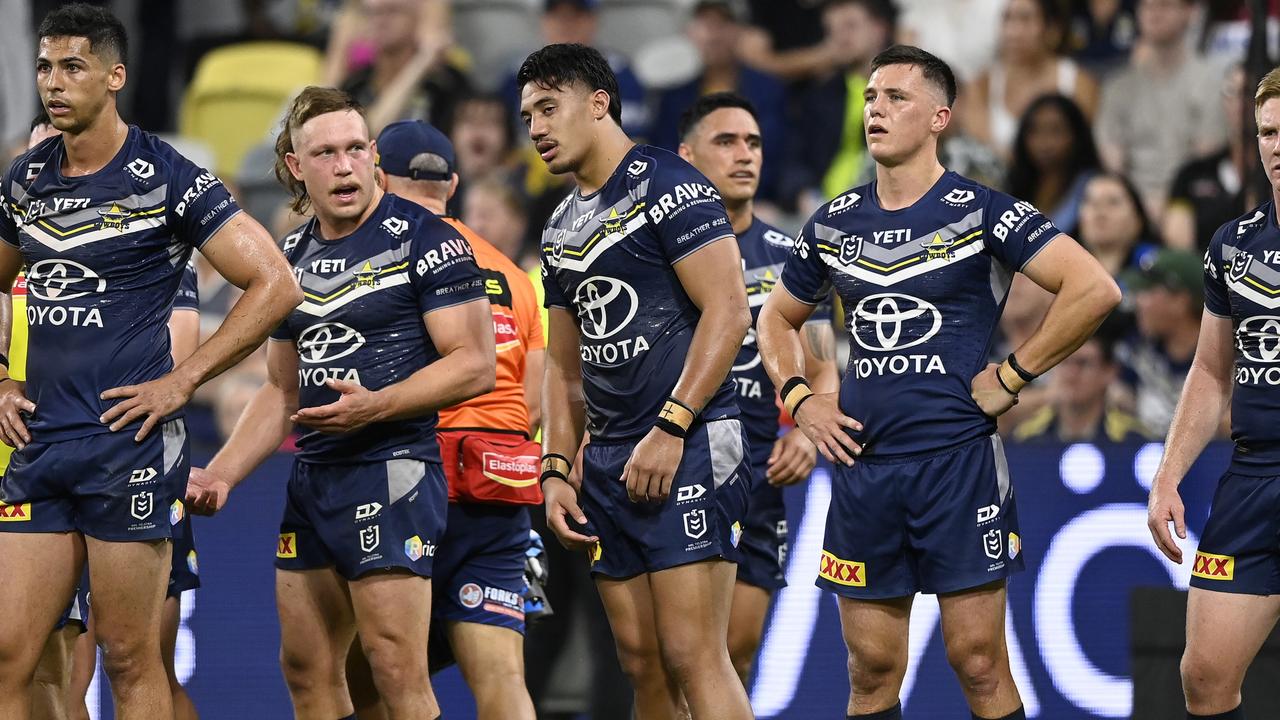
[(240, 91)]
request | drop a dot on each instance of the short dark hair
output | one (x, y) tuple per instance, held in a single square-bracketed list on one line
[(556, 66), (708, 104), (105, 32), (934, 69)]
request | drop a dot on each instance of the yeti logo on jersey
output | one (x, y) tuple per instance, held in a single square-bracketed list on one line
[(59, 280), (958, 197), (141, 169), (1258, 338), (889, 321), (993, 544), (327, 342), (695, 523), (395, 226), (1239, 266), (850, 248), (605, 306), (370, 538), (842, 203)]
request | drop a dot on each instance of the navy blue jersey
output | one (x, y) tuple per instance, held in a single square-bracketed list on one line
[(361, 319), (188, 297), (1242, 282), (608, 258), (104, 255), (765, 250), (922, 289)]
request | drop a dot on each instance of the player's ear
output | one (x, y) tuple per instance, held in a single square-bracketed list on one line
[(599, 104), (295, 168), (685, 152), (453, 185), (941, 120), (116, 76)]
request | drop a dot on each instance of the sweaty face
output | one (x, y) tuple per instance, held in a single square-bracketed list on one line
[(74, 83), (334, 158), (725, 146), (560, 122), (902, 113)]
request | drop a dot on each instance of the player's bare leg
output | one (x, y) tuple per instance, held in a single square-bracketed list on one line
[(691, 606), (973, 630), (629, 605), (1224, 633), (746, 626), (492, 662), (53, 675), (393, 613), (316, 628), (875, 633), (84, 663), (183, 708), (128, 581), (364, 694)]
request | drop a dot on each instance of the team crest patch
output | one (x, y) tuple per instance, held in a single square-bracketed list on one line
[(1239, 266), (850, 249)]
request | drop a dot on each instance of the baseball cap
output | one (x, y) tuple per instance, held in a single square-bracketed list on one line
[(1172, 269), (400, 142), (584, 5)]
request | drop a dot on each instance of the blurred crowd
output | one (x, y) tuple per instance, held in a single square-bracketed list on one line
[(1125, 121)]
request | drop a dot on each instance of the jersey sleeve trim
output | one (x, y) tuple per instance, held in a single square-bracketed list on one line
[(792, 293), (218, 228), (461, 301), (1039, 250), (706, 244)]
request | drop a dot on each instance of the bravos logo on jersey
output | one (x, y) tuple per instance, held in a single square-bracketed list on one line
[(684, 195), (58, 281), (193, 193), (605, 307), (326, 343), (888, 322)]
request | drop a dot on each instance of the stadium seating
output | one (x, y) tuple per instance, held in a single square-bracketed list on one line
[(496, 33), (628, 25)]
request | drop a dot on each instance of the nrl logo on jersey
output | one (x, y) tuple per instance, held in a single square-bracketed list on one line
[(557, 246), (1239, 266), (850, 249)]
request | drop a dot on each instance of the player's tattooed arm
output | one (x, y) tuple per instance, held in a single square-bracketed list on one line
[(263, 425), (244, 253)]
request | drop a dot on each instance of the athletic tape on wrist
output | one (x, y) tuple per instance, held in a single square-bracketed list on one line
[(1022, 372), (794, 392), (675, 418), (554, 465)]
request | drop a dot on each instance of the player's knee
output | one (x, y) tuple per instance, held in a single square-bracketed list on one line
[(308, 671), (125, 663), (872, 669), (1205, 681), (978, 664), (641, 661), (742, 649), (394, 663)]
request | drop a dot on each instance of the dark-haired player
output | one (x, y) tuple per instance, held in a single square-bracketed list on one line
[(922, 260), (394, 326), (1235, 578), (720, 136), (647, 311), (105, 216)]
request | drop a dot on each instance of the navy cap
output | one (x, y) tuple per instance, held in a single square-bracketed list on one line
[(400, 142), (586, 5)]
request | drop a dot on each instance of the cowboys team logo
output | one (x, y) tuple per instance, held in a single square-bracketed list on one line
[(850, 249), (1240, 266), (113, 218), (367, 276), (937, 248)]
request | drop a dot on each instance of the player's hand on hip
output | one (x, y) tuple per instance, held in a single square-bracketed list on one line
[(1164, 506), (150, 402), (561, 501), (792, 459), (821, 420), (14, 402), (206, 492), (357, 407), (652, 466), (989, 394)]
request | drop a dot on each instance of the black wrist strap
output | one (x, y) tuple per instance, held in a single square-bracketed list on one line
[(1022, 372), (554, 465)]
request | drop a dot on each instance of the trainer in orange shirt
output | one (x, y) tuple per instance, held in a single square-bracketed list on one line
[(491, 464)]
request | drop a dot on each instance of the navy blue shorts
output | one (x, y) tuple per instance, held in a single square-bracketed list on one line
[(363, 517), (184, 574), (764, 534), (479, 569), (105, 486), (1238, 550), (701, 518), (77, 612), (933, 523)]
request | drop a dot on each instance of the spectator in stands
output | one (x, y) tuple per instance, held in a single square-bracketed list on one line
[(1029, 65), (786, 39), (827, 145), (412, 74), (1208, 191), (965, 33), (1053, 159), (1024, 310), (715, 27), (1102, 33), (1169, 289), (577, 21), (496, 212), (1079, 409), (1157, 112), (1113, 224)]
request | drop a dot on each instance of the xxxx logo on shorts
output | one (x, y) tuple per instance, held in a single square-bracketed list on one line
[(287, 546), (1214, 567), (15, 513), (844, 572)]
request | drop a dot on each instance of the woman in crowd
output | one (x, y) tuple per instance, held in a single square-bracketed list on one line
[(1053, 158), (1113, 224)]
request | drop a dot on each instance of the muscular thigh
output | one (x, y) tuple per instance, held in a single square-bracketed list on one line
[(392, 604), (40, 571), (315, 613), (1227, 629), (486, 650), (128, 581)]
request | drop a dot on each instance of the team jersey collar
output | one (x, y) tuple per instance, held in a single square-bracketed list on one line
[(371, 222), (623, 163), (945, 180), (112, 166)]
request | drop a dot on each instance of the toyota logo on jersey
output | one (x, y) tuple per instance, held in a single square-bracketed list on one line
[(888, 321), (605, 306), (327, 342), (59, 280)]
